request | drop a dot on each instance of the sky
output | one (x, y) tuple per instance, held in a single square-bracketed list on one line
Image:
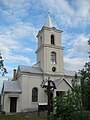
[(20, 21)]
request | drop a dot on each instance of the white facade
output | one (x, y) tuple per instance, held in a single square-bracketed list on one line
[(17, 95)]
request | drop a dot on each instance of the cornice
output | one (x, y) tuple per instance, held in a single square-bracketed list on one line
[(49, 29), (50, 46), (28, 73)]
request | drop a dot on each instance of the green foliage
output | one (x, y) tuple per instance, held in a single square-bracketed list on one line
[(3, 70), (85, 86), (72, 105), (69, 105)]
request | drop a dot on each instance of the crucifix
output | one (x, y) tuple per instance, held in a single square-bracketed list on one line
[(49, 87)]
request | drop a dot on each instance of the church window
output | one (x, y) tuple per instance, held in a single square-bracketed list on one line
[(52, 40), (34, 95), (41, 40), (53, 57)]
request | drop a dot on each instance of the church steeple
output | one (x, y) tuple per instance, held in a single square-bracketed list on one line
[(48, 22), (50, 50)]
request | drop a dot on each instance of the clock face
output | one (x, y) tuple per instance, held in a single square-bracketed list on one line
[(53, 69)]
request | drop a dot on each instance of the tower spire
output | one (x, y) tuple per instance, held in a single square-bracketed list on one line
[(48, 22)]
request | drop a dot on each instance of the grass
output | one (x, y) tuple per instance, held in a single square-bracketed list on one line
[(23, 117), (20, 117), (33, 116)]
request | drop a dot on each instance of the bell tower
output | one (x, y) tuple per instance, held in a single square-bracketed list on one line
[(50, 50)]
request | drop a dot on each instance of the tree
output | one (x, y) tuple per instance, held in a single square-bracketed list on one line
[(69, 105), (3, 70), (85, 86)]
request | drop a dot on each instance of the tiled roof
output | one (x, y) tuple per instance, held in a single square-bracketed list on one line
[(12, 86)]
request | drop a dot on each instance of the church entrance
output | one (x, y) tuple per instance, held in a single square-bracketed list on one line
[(13, 104), (59, 93)]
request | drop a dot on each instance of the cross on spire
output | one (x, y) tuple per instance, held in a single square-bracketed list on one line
[(48, 22)]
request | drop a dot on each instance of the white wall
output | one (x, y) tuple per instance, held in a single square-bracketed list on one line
[(63, 86), (44, 51), (7, 102), (29, 82)]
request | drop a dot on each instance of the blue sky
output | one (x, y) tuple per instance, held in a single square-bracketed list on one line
[(20, 21)]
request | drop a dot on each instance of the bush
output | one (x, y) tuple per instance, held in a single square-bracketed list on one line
[(69, 106)]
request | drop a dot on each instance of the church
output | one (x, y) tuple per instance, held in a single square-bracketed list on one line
[(25, 91)]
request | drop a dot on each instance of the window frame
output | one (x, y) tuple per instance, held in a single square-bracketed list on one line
[(34, 94), (53, 57), (52, 39), (40, 40)]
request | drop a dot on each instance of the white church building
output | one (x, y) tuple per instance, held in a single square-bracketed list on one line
[(25, 91)]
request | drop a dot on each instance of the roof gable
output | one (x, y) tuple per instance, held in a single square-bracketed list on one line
[(58, 81)]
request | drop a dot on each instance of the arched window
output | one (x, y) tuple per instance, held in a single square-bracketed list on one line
[(53, 57), (52, 40), (41, 40), (34, 95)]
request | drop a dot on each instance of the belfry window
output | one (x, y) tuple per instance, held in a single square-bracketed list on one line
[(53, 57), (52, 40), (41, 40), (34, 95)]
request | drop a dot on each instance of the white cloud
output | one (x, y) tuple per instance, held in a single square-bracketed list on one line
[(83, 8), (18, 58), (14, 10), (76, 41), (28, 50), (70, 15), (74, 63), (24, 30), (8, 46), (81, 44), (76, 50), (74, 14)]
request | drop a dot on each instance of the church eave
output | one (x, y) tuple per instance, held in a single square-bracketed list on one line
[(14, 92), (52, 74), (50, 29), (28, 73), (47, 45)]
